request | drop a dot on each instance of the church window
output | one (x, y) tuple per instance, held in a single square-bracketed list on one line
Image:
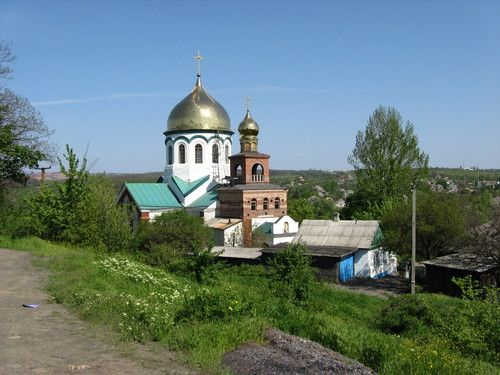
[(198, 154), (257, 173), (215, 154), (227, 154), (170, 155), (182, 154), (286, 227), (253, 204), (239, 171), (265, 204), (276, 203)]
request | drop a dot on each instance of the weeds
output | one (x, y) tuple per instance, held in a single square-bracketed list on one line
[(147, 303)]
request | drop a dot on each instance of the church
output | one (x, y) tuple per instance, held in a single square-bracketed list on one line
[(232, 192)]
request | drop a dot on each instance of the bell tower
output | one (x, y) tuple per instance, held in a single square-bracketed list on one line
[(250, 195)]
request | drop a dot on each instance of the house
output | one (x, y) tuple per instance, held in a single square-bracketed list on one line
[(344, 249), (440, 271)]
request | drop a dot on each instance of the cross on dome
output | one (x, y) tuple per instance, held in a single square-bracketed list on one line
[(249, 102), (198, 59)]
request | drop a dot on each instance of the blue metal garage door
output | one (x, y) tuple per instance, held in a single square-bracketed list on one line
[(346, 268)]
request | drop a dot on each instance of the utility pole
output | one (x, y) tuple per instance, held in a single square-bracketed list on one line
[(413, 238)]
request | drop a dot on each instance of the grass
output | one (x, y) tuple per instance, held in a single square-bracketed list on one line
[(203, 322)]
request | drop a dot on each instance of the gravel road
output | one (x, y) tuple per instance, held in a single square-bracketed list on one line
[(50, 340)]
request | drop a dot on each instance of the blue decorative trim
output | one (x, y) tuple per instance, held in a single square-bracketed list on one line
[(188, 140)]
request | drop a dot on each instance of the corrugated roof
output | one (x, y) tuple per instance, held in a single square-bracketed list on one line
[(357, 234), (186, 187), (322, 251), (206, 199), (218, 223), (152, 195), (467, 262), (237, 252)]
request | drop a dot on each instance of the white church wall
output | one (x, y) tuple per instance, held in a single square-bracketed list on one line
[(190, 170), (279, 226)]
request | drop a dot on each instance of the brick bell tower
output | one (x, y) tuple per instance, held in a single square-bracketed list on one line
[(250, 195)]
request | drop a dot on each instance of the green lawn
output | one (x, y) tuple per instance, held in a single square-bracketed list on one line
[(144, 303)]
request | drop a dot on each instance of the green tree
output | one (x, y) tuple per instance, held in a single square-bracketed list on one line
[(24, 138), (14, 157), (387, 161), (98, 221), (440, 225), (180, 242), (300, 209), (291, 274)]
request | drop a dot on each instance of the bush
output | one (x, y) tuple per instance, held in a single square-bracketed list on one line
[(405, 313), (291, 274), (179, 242), (213, 304)]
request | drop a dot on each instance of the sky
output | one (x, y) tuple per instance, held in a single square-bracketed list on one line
[(107, 73)]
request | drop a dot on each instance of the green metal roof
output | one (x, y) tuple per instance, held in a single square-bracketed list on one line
[(265, 227), (152, 195), (187, 188), (206, 199)]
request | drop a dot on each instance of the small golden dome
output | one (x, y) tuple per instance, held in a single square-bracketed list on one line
[(248, 126), (198, 111)]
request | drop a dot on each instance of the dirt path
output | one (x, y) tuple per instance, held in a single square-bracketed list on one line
[(49, 340)]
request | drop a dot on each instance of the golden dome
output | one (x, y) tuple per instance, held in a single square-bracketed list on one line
[(248, 126), (198, 111)]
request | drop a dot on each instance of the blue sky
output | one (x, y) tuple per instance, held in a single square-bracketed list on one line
[(109, 72)]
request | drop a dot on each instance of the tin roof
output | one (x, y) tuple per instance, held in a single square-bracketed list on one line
[(237, 252), (355, 234), (322, 251), (186, 187), (466, 262), (206, 199), (152, 195), (218, 223)]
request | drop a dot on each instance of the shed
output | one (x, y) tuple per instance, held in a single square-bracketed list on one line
[(441, 270), (332, 262), (361, 237)]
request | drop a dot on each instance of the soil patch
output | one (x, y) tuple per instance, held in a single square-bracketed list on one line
[(383, 287), (286, 354)]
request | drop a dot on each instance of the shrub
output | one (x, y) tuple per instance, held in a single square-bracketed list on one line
[(405, 313), (180, 242), (291, 274), (213, 304)]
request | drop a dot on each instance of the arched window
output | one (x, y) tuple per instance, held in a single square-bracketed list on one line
[(226, 149), (257, 173), (170, 155), (257, 169), (198, 154), (239, 171), (182, 154), (276, 203), (265, 204), (215, 154), (286, 227), (253, 204)]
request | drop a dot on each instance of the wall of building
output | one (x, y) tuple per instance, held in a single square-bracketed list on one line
[(259, 195), (190, 170), (374, 263)]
